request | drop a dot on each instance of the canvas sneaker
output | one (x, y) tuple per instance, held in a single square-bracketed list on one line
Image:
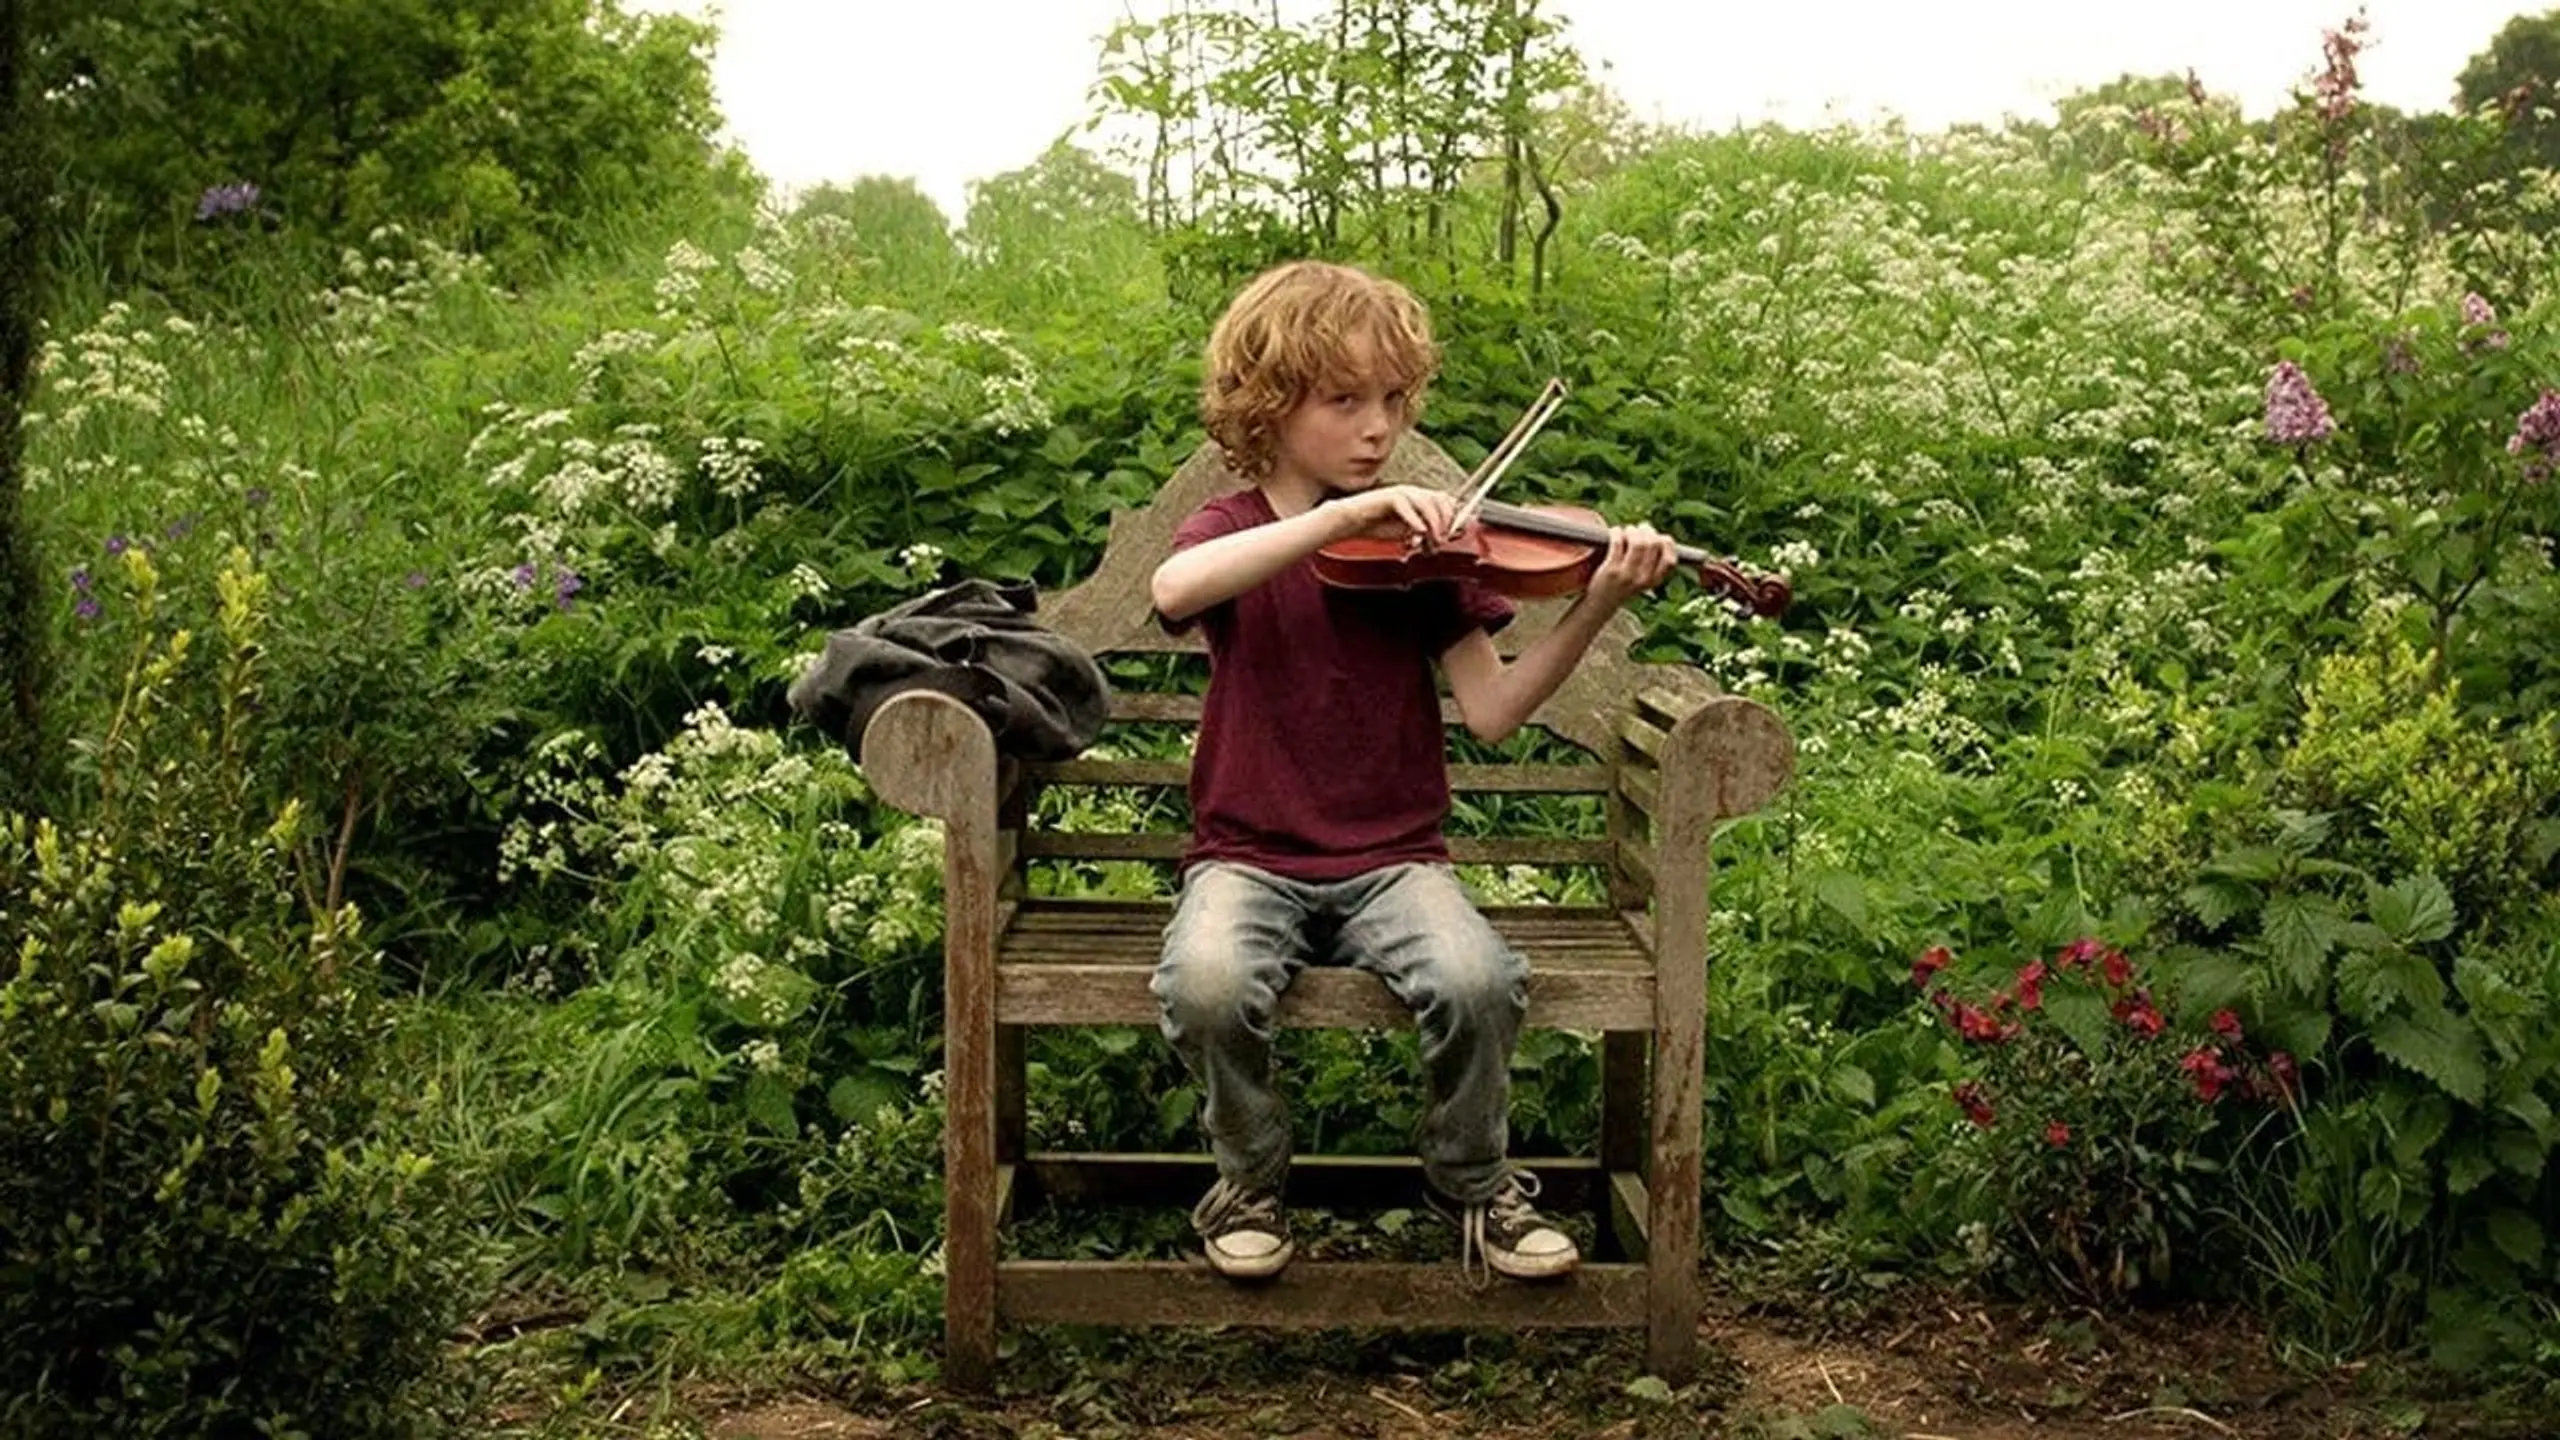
[(1508, 1236), (1244, 1232)]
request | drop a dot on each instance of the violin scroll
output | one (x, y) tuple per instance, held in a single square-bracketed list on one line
[(1766, 596)]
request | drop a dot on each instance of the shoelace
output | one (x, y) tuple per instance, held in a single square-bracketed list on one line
[(1475, 1267), (1229, 1207)]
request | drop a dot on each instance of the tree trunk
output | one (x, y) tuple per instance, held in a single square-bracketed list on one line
[(1515, 129), (24, 189), (1546, 232)]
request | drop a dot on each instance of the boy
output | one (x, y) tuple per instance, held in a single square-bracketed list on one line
[(1320, 782)]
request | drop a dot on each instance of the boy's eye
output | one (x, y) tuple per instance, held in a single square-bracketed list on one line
[(1395, 399)]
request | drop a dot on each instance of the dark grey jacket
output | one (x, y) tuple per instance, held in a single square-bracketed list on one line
[(975, 641)]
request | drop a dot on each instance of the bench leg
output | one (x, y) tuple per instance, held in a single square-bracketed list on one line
[(1622, 1125)]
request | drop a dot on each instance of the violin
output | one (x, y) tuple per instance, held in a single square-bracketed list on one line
[(1528, 552)]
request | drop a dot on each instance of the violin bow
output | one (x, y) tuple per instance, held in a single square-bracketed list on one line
[(1480, 484)]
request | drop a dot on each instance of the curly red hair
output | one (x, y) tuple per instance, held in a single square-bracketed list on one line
[(1300, 326)]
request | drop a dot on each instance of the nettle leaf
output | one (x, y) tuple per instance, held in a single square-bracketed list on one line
[(1853, 1083), (2216, 902), (2374, 983), (2256, 864), (2466, 1165), (2517, 1235), (2300, 1031), (2441, 1046), (2416, 1121), (2216, 979), (1846, 895), (2299, 930), (2080, 1013), (2520, 1152), (2534, 1111), (2415, 911), (768, 1103)]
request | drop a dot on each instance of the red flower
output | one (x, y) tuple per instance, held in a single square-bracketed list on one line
[(2080, 952), (2119, 971), (2031, 985), (2226, 1024), (2057, 1134), (2138, 1013), (2281, 1068), (2205, 1064), (1977, 1107), (1931, 961), (1980, 1028)]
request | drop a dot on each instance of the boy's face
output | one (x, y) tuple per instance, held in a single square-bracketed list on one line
[(1341, 432)]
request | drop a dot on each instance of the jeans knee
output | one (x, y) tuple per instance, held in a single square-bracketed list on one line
[(1205, 999), (1481, 983)]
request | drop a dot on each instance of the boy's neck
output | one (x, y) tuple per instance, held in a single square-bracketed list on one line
[(1292, 492)]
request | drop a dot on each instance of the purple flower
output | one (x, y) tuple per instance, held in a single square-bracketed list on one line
[(2538, 436), (569, 585), (2477, 315), (2398, 357), (117, 544), (415, 579), (80, 579), (182, 527), (524, 576), (234, 199), (257, 496), (87, 609), (2296, 415)]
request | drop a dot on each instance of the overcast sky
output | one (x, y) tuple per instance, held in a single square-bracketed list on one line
[(949, 91)]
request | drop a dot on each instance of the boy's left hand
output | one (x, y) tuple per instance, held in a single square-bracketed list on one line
[(1639, 558)]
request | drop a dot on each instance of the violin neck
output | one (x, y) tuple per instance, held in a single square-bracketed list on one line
[(1536, 523)]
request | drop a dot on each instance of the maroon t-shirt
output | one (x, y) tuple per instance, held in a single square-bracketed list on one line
[(1321, 752)]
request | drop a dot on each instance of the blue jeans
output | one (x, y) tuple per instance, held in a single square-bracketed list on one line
[(1239, 935)]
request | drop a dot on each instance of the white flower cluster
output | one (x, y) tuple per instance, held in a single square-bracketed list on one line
[(729, 463)]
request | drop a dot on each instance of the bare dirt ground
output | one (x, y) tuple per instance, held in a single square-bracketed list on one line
[(1919, 1369)]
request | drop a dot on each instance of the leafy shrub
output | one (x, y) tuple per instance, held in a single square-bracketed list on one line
[(500, 125), (208, 1223), (2100, 1137)]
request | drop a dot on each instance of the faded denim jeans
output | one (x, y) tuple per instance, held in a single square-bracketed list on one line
[(1239, 935)]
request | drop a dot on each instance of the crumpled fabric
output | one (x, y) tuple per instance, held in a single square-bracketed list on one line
[(1042, 695)]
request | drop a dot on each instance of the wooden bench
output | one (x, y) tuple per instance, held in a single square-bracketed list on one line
[(1666, 756)]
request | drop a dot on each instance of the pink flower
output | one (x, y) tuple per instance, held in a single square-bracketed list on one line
[(2031, 985), (1977, 1106), (2477, 315), (2057, 1134), (1931, 961), (2138, 1014), (2209, 1072), (2118, 970), (2335, 85), (2296, 415), (2537, 435), (2226, 1023)]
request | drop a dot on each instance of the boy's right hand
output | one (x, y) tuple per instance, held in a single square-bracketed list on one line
[(1393, 512)]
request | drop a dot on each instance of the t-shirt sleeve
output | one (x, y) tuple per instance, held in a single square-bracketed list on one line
[(1459, 606), (1207, 523)]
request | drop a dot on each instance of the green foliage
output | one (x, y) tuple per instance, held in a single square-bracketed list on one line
[(499, 125), (2518, 77), (211, 1222), (2101, 1137), (25, 199)]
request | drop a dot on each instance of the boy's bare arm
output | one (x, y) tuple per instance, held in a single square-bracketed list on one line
[(1497, 698), (1215, 571)]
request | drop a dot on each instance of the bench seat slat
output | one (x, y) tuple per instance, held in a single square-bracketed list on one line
[(1069, 963)]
